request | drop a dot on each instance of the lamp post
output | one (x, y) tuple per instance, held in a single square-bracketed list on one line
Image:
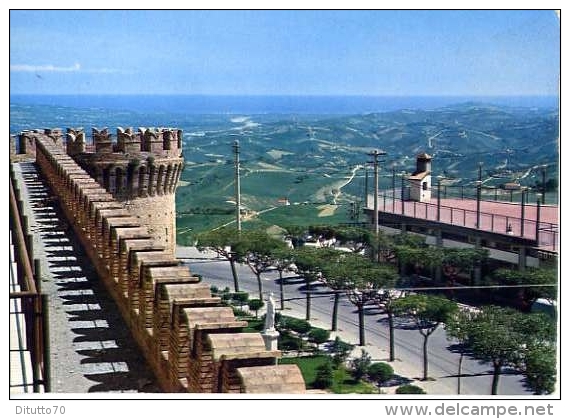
[(393, 187), (523, 192), (439, 177), (543, 184), (538, 200), (478, 223), (376, 154), (404, 174)]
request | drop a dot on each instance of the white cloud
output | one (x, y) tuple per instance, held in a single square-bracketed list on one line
[(28, 68), (44, 68)]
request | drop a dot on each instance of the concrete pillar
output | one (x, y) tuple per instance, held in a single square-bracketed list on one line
[(477, 267), (438, 243), (522, 258)]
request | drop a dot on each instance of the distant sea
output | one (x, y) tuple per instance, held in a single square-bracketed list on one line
[(253, 105), (198, 113)]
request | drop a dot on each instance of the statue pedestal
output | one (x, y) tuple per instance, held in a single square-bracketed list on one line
[(270, 338)]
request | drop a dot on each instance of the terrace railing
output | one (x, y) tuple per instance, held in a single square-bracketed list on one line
[(31, 314), (545, 234)]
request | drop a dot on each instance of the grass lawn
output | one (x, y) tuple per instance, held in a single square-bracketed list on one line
[(343, 382)]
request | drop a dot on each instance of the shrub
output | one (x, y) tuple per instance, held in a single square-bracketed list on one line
[(214, 289), (255, 304), (340, 350), (238, 312), (240, 298), (324, 376), (298, 325), (318, 335), (359, 366), (288, 342), (380, 372), (410, 389)]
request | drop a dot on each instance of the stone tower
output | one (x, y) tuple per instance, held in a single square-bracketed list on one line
[(141, 169)]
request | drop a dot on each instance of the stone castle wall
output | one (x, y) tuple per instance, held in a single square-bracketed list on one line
[(191, 341), (139, 168), (158, 214)]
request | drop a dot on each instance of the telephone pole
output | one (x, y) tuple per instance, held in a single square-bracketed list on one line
[(375, 154), (238, 192), (366, 185)]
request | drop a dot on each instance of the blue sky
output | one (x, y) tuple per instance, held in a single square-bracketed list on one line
[(415, 53)]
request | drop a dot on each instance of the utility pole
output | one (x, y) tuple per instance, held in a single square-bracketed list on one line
[(375, 154), (366, 185), (393, 187), (238, 192), (543, 184)]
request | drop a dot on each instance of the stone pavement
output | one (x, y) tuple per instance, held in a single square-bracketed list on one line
[(91, 347)]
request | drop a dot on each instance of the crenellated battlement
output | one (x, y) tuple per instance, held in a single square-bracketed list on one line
[(162, 142), (138, 167), (191, 341)]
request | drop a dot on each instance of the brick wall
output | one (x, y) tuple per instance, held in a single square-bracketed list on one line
[(191, 342)]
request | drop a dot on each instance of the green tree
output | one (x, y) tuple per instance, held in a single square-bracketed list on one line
[(340, 351), (364, 279), (324, 376), (296, 234), (458, 328), (356, 239), (310, 262), (282, 260), (241, 298), (318, 336), (335, 276), (456, 260), (503, 336), (380, 372), (255, 304), (223, 241), (410, 389), (428, 312), (256, 249), (418, 257), (540, 368), (359, 366), (539, 282), (385, 299)]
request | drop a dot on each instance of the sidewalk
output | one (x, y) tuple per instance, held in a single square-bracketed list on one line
[(90, 345)]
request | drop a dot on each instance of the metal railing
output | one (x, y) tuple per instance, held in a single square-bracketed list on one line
[(545, 234), (32, 304)]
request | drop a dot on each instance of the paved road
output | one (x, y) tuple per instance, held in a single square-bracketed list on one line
[(442, 361)]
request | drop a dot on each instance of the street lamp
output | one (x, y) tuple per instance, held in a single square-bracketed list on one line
[(543, 184), (393, 187), (523, 192), (538, 200), (439, 177), (478, 223), (404, 174)]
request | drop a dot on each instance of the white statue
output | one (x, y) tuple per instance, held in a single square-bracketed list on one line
[(270, 313)]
